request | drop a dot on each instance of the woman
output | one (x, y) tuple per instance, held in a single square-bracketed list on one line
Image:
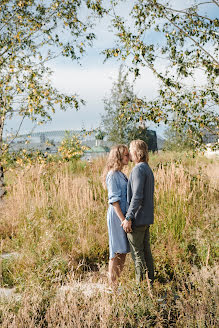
[(116, 182)]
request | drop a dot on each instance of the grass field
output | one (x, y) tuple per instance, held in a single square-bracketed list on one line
[(54, 217)]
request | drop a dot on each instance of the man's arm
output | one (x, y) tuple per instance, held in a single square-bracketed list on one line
[(138, 182)]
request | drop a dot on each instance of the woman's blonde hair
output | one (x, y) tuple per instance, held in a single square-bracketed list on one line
[(140, 150), (114, 161)]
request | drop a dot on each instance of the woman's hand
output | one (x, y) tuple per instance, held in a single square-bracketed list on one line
[(127, 225)]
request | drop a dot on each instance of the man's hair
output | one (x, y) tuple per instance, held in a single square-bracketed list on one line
[(140, 149)]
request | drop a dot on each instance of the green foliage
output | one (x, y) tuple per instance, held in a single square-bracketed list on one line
[(121, 123), (178, 46), (179, 140), (23, 158), (31, 36), (31, 33), (100, 134), (71, 147), (114, 122), (142, 133)]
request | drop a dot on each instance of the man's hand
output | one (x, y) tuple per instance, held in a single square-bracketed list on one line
[(127, 225)]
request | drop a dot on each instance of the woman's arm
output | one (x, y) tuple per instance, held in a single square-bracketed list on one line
[(118, 211)]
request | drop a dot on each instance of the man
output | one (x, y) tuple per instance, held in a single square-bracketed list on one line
[(140, 214)]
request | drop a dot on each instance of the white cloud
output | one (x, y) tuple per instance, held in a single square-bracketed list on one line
[(95, 82), (93, 85)]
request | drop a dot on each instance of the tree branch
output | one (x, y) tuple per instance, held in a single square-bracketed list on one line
[(199, 4), (193, 40), (8, 145), (187, 13), (215, 2)]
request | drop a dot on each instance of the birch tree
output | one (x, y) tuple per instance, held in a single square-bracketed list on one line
[(180, 46), (32, 33)]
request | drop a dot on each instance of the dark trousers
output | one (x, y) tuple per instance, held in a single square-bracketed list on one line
[(139, 240)]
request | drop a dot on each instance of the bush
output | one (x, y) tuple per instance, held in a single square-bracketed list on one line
[(71, 147)]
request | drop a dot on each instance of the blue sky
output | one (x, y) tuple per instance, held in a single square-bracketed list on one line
[(92, 81)]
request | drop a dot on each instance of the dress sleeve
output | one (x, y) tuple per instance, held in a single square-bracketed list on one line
[(114, 190)]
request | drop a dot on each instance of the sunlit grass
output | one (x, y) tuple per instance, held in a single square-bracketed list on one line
[(54, 216)]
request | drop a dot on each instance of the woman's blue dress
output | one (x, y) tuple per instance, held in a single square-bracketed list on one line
[(116, 183)]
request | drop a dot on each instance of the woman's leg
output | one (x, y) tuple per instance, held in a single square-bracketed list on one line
[(116, 266), (121, 262)]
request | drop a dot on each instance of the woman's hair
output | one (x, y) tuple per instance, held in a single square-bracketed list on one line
[(114, 161), (140, 150)]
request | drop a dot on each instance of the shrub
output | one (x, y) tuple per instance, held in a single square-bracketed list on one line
[(71, 147)]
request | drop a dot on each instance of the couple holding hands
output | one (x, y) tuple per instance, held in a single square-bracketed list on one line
[(131, 210)]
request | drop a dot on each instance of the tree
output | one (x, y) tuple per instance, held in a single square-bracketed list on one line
[(123, 117), (143, 133), (180, 47), (117, 122), (178, 141), (99, 134), (34, 32)]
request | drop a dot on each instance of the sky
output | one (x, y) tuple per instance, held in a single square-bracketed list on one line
[(92, 81)]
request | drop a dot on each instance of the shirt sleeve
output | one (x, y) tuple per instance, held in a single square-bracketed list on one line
[(137, 186), (114, 190)]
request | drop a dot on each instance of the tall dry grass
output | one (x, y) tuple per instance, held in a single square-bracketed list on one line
[(55, 216)]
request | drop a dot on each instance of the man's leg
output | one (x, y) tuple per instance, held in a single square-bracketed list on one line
[(136, 240), (148, 255)]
